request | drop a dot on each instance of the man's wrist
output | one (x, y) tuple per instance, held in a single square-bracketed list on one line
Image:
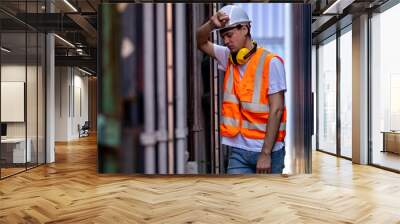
[(266, 152), (211, 24)]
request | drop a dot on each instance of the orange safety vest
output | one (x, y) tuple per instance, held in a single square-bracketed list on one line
[(245, 107)]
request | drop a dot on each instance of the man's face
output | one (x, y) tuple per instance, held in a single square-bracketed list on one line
[(235, 38)]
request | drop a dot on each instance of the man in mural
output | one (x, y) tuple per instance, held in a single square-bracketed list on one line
[(253, 122)]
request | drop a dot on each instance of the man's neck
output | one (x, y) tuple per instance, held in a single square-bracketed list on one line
[(249, 44)]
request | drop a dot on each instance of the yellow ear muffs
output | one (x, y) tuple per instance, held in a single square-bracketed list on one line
[(233, 58), (240, 57)]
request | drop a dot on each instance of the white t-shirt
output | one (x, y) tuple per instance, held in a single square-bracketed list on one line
[(277, 83)]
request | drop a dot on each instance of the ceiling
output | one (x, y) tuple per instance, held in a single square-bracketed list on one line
[(74, 21), (328, 16)]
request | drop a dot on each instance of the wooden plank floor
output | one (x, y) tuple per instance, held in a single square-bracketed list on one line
[(10, 171), (70, 191)]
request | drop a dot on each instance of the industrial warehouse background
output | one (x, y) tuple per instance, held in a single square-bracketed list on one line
[(94, 90)]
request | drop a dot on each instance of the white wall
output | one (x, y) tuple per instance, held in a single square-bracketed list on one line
[(16, 73), (61, 103), (11, 73), (33, 126), (80, 110), (71, 94)]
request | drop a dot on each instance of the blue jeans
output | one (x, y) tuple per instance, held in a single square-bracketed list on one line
[(242, 161)]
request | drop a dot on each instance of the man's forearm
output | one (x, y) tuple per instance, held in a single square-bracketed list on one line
[(273, 125), (203, 33)]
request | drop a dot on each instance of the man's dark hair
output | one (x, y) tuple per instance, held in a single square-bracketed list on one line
[(248, 29), (236, 27)]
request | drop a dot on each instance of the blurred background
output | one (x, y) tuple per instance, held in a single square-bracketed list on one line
[(159, 97)]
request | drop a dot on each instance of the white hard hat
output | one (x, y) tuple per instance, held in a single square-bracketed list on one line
[(236, 16)]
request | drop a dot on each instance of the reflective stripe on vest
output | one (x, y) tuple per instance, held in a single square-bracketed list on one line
[(228, 96), (230, 121), (261, 126), (229, 85), (255, 107), (238, 110), (258, 79)]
